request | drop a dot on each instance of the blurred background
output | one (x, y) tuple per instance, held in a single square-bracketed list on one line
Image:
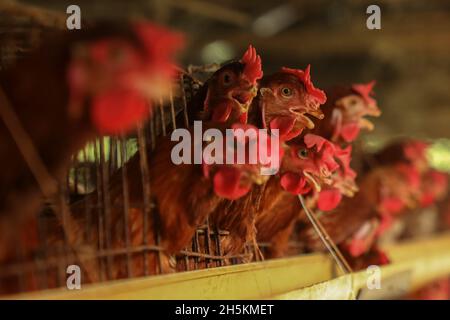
[(408, 57)]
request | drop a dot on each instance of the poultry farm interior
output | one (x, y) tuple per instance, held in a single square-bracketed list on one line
[(352, 163)]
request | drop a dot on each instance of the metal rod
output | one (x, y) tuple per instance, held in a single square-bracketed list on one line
[(207, 237), (99, 206), (163, 117), (64, 248), (87, 211), (152, 132), (183, 98), (196, 248), (186, 260), (145, 175), (46, 182), (53, 260), (218, 245), (74, 164), (329, 244), (42, 255), (126, 205), (172, 110), (157, 234), (106, 202)]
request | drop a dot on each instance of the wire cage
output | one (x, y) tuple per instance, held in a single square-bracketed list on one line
[(44, 246), (44, 249)]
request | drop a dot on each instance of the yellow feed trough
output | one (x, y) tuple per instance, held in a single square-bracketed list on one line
[(314, 276)]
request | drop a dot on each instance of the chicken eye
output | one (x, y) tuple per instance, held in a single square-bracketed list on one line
[(353, 102), (286, 92), (302, 153), (227, 78)]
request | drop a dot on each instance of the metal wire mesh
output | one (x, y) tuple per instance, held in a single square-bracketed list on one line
[(44, 250)]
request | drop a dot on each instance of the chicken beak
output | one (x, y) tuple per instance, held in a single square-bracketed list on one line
[(317, 114), (312, 181), (348, 193), (304, 120), (366, 124), (349, 188), (373, 110), (325, 172)]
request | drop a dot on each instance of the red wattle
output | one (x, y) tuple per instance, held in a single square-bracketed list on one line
[(227, 183), (350, 131), (385, 223), (243, 118), (294, 183), (382, 257), (329, 199), (357, 247), (285, 125), (222, 112)]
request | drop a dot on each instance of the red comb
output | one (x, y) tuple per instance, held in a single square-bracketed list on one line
[(252, 61), (117, 111), (312, 140), (328, 147), (122, 102), (365, 90), (305, 78), (345, 157), (160, 45)]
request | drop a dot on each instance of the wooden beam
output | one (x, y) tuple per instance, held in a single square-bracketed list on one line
[(44, 17)]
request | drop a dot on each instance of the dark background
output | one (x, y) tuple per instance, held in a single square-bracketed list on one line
[(408, 57)]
